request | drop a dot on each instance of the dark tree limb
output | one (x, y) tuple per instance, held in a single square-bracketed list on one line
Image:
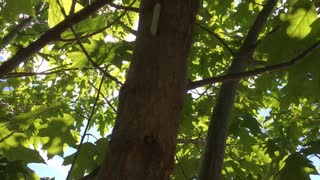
[(212, 159), (52, 34), (228, 77)]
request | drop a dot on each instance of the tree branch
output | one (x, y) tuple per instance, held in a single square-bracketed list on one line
[(52, 34), (299, 58)]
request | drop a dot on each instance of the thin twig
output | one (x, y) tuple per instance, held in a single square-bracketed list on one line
[(7, 136), (217, 37), (105, 27), (190, 141), (26, 74), (73, 7), (253, 2), (62, 9), (96, 32), (104, 97), (94, 64), (275, 29), (127, 8), (197, 145), (125, 27), (299, 58), (89, 134), (181, 167), (86, 129)]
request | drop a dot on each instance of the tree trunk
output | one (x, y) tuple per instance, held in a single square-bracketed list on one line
[(213, 156), (143, 140)]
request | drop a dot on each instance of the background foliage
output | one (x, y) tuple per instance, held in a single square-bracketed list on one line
[(59, 90)]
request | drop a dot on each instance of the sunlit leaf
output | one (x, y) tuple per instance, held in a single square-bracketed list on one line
[(300, 21), (55, 10), (59, 133)]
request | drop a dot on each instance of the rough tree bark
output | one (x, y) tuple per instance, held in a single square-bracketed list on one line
[(212, 160), (143, 140)]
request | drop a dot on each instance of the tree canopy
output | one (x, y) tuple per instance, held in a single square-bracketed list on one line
[(64, 62)]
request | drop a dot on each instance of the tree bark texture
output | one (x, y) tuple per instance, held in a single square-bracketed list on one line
[(143, 140)]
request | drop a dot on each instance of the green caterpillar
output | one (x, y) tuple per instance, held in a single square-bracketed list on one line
[(155, 19)]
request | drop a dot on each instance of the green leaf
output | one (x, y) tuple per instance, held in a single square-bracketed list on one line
[(300, 21), (24, 120), (55, 12), (187, 116), (15, 7), (311, 147), (185, 168), (85, 162), (251, 123), (101, 146), (58, 133), (15, 170), (24, 155), (297, 167), (78, 58), (11, 140)]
